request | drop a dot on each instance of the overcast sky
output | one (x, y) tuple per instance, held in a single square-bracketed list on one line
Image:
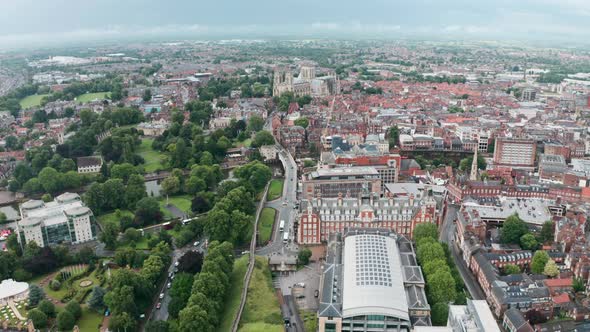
[(41, 22)]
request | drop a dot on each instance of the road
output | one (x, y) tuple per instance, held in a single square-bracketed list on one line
[(296, 322), (285, 207), (162, 313), (447, 235)]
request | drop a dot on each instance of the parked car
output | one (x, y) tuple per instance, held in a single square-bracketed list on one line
[(300, 296), (159, 305), (197, 244), (300, 284), (161, 295), (176, 263), (316, 293), (170, 285)]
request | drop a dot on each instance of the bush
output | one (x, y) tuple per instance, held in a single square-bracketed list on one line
[(38, 317), (36, 294), (65, 321), (47, 307), (74, 308), (55, 285), (22, 275)]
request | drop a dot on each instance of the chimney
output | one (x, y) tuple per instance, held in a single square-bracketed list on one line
[(339, 199), (411, 199)]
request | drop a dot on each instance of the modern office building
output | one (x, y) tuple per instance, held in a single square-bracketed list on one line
[(371, 282), (334, 181), (65, 220), (515, 153)]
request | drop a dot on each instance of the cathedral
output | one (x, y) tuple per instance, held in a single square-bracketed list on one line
[(305, 84)]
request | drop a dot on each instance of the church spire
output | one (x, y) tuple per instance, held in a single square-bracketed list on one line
[(473, 175)]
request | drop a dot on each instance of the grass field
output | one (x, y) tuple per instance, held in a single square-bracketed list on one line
[(87, 97), (183, 202), (245, 143), (275, 190), (267, 219), (111, 217), (153, 159), (262, 306), (31, 101), (232, 300), (89, 321)]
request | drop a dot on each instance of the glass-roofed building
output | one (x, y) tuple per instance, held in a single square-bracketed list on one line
[(371, 282), (64, 220)]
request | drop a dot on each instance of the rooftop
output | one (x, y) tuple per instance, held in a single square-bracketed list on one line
[(373, 280)]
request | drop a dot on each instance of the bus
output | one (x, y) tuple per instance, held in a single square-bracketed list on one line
[(281, 225), (286, 237)]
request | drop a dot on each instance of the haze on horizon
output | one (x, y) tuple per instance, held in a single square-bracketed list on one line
[(43, 23)]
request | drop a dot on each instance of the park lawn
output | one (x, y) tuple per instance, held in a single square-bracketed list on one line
[(183, 202), (261, 326), (262, 305), (88, 97), (90, 320), (152, 159), (111, 217), (31, 101), (267, 219), (275, 190), (232, 300), (245, 143)]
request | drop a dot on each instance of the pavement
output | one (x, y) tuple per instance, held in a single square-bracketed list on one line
[(304, 296), (447, 235), (176, 212)]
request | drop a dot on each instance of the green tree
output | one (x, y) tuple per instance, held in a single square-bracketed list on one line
[(109, 234), (528, 242), (441, 287), (551, 269), (157, 326), (512, 230), (302, 121), (578, 285), (50, 179), (261, 138), (36, 294), (147, 95), (135, 190), (440, 314), (148, 210), (255, 173), (46, 198), (96, 300), (303, 256), (194, 185), (170, 186), (393, 136), (123, 171), (431, 267), (38, 317), (47, 307), (121, 300), (122, 322), (540, 259), (179, 293), (424, 230), (255, 123), (194, 318), (67, 165), (65, 321), (511, 269), (429, 252), (546, 235)]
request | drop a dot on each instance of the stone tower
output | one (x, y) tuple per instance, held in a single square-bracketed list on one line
[(473, 175)]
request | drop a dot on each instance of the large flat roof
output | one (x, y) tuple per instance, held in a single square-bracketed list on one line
[(373, 279), (531, 210)]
